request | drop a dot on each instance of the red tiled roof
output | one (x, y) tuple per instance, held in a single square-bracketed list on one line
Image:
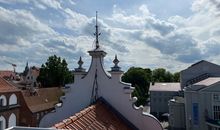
[(96, 117), (45, 99), (6, 73), (6, 86)]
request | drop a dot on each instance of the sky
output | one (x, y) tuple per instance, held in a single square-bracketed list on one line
[(171, 34)]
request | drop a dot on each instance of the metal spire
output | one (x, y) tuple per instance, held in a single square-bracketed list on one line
[(97, 32)]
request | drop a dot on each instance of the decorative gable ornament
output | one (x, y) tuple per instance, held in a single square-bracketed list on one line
[(96, 83)]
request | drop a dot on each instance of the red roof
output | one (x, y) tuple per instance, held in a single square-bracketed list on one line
[(96, 117), (6, 73), (5, 86), (45, 99)]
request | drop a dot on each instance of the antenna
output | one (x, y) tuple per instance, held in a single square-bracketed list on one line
[(97, 32)]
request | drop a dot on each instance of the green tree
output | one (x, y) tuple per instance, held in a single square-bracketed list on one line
[(54, 72), (140, 79), (159, 75), (176, 77)]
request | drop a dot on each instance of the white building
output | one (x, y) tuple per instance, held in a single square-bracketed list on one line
[(201, 93), (30, 75), (94, 84), (177, 114), (160, 94)]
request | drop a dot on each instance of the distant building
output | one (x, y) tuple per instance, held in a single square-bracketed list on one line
[(34, 107), (177, 114), (7, 74), (9, 105), (202, 104), (30, 75), (22, 108), (197, 72), (160, 94)]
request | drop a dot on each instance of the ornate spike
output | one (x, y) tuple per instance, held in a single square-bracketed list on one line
[(80, 62), (97, 32), (116, 61)]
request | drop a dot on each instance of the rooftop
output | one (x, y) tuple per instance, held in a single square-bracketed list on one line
[(208, 81), (45, 99), (165, 87), (5, 86), (6, 73), (99, 116)]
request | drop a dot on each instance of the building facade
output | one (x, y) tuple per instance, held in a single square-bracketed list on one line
[(9, 105), (177, 114), (160, 94), (201, 93)]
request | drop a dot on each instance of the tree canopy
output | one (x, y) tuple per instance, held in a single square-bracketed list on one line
[(55, 72), (140, 79)]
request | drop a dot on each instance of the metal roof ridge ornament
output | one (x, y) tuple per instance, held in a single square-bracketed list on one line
[(116, 67), (97, 32), (80, 68)]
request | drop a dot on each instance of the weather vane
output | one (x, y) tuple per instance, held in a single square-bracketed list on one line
[(97, 32)]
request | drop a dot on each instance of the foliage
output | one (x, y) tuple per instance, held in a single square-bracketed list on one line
[(140, 78), (55, 72)]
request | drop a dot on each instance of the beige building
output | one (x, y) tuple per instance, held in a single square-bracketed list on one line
[(160, 94)]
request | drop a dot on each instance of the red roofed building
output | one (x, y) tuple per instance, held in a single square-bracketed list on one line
[(7, 74), (98, 116), (9, 104)]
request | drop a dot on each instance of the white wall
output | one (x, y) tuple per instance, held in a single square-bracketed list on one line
[(13, 99), (2, 119), (12, 120), (4, 100)]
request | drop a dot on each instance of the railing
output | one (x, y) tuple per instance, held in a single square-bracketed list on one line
[(213, 122)]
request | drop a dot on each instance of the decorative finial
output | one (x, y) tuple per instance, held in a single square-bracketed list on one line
[(80, 63), (116, 67), (97, 32), (80, 68), (116, 61)]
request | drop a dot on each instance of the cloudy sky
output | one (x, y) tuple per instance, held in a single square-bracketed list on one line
[(147, 33)]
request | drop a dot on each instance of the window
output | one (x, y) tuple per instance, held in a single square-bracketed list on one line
[(216, 111), (195, 113), (13, 99), (1, 125), (215, 97), (1, 102)]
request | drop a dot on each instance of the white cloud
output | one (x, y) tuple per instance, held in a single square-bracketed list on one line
[(75, 20)]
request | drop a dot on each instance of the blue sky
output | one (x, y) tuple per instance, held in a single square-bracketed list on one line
[(147, 33)]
